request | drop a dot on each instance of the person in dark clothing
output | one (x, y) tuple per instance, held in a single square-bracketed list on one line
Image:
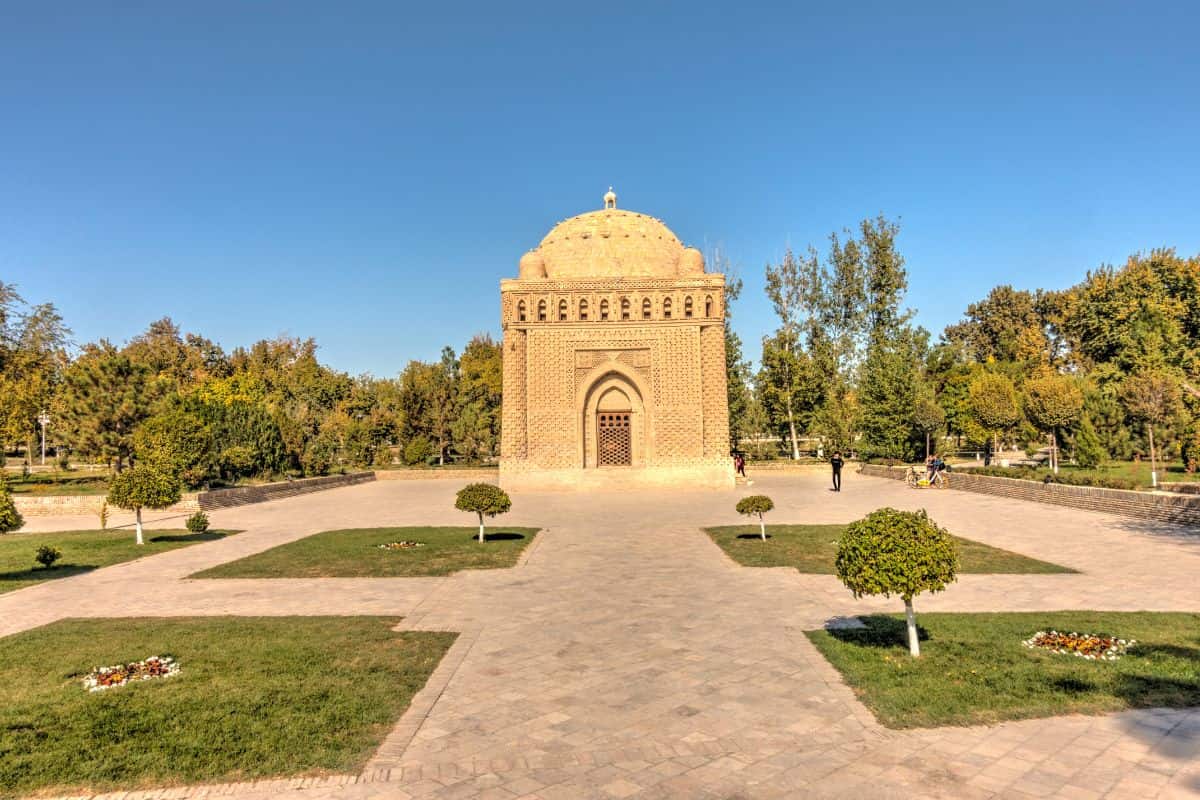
[(836, 462), (739, 464)]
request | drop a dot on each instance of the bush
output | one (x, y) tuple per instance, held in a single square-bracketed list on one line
[(197, 523), (1065, 478), (64, 459), (897, 552), (47, 555), (483, 499), (417, 451), (756, 504), (10, 518)]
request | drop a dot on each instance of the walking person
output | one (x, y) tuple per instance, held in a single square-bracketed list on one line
[(836, 462), (739, 464)]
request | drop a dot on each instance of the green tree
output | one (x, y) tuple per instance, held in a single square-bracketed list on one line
[(483, 499), (479, 392), (1053, 402), (897, 552), (891, 386), (143, 487), (1089, 450), (792, 290), (10, 519), (992, 399), (1151, 398), (993, 327), (929, 418), (755, 506), (106, 395), (178, 442)]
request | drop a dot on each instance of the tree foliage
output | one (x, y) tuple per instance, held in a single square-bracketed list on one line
[(484, 499), (902, 553), (755, 506), (10, 519)]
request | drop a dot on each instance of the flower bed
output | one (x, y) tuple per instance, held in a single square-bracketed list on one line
[(402, 545), (1091, 646), (102, 678)]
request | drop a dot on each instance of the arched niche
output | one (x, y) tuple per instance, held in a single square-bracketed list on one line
[(614, 398)]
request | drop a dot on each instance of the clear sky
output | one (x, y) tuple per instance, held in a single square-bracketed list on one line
[(365, 173)]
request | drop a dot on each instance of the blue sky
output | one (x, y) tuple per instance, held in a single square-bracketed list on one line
[(365, 173)]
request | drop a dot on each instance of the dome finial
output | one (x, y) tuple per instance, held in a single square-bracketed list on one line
[(610, 198)]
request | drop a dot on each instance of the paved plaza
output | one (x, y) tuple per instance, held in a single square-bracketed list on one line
[(627, 656)]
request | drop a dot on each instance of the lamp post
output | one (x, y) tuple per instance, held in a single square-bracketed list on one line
[(43, 420)]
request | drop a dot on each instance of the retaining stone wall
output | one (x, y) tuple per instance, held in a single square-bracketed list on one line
[(483, 474), (245, 495), (72, 504), (1175, 508)]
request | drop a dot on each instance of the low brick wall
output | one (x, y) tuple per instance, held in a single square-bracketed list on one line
[(77, 504), (1176, 508), (245, 495), (483, 474)]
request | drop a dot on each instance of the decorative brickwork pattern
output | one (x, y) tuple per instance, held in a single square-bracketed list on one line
[(655, 337)]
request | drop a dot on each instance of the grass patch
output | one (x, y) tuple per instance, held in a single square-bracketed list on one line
[(356, 554), (59, 483), (813, 548), (255, 697), (84, 551), (973, 668)]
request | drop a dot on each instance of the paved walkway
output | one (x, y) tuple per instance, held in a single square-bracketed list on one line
[(627, 657)]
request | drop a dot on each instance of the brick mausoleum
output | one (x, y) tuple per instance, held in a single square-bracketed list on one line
[(614, 359)]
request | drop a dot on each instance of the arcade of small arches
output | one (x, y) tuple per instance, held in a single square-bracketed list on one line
[(614, 308)]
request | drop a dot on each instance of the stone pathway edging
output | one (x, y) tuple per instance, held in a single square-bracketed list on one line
[(394, 745)]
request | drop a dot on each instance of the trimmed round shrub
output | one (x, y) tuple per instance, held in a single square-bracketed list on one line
[(890, 552), (143, 487), (483, 499), (47, 555), (756, 505), (197, 523)]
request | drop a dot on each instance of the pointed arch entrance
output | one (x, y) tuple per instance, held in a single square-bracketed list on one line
[(613, 421)]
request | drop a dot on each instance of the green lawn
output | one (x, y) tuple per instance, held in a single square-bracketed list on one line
[(355, 554), (59, 483), (813, 548), (254, 697), (84, 551), (973, 668)]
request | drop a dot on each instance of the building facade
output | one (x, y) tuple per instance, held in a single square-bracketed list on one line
[(614, 359)]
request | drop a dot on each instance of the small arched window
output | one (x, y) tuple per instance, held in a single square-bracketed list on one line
[(562, 310), (708, 306), (667, 308), (521, 311), (541, 310), (687, 307), (583, 310), (604, 310), (646, 308), (624, 308)]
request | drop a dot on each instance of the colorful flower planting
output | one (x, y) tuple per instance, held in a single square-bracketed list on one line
[(1091, 646), (402, 545), (102, 678)]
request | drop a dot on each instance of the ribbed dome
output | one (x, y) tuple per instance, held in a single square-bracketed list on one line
[(610, 243)]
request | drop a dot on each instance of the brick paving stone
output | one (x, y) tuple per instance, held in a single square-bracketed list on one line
[(627, 656)]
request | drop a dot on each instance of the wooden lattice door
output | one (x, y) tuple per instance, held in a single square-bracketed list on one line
[(615, 445)]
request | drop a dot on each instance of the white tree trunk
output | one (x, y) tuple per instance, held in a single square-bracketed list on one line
[(1153, 466), (138, 516), (1054, 451), (762, 527), (914, 646), (792, 430), (481, 526)]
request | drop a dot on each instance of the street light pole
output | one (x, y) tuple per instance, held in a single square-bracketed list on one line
[(43, 420)]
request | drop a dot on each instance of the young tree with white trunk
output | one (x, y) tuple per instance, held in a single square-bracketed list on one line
[(484, 499), (756, 505), (897, 552), (143, 487)]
